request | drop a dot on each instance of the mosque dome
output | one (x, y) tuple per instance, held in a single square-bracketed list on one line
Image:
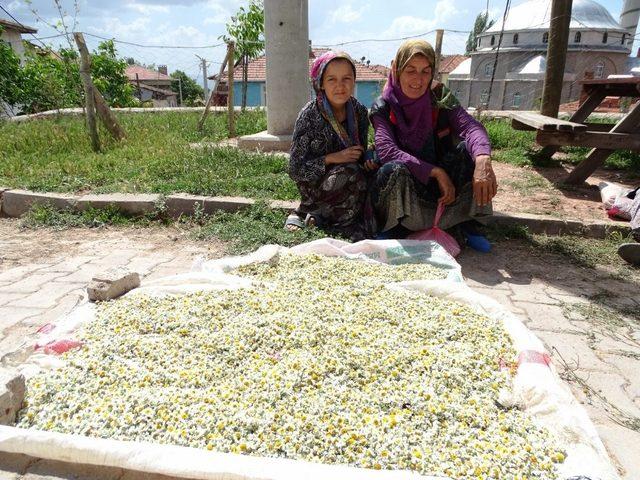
[(536, 15)]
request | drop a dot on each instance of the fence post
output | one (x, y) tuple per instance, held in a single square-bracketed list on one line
[(436, 67), (212, 94), (89, 102), (230, 109)]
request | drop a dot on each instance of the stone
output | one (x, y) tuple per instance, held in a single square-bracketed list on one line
[(546, 317), (112, 283), (55, 470), (574, 350), (16, 203), (13, 465), (12, 389), (127, 203), (265, 142)]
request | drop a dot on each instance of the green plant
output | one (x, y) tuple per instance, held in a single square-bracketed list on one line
[(46, 215), (108, 73), (191, 91), (246, 30), (251, 228), (11, 76)]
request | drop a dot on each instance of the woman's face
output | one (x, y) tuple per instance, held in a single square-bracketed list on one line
[(338, 82), (415, 77)]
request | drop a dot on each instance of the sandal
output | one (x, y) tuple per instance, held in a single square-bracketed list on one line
[(293, 220)]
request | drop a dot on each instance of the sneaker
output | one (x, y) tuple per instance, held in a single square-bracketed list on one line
[(630, 252)]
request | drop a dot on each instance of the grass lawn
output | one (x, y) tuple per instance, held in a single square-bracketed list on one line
[(54, 155)]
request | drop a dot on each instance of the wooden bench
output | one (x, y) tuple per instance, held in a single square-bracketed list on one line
[(536, 121)]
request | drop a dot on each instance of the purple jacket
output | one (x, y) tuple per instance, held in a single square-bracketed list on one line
[(463, 125)]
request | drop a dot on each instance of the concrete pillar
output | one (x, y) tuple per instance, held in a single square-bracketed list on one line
[(286, 25)]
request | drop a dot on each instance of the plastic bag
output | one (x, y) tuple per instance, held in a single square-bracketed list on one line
[(609, 192), (438, 235)]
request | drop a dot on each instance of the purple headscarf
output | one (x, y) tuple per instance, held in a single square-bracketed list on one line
[(414, 121)]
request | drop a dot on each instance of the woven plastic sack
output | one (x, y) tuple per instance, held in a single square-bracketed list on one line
[(438, 235)]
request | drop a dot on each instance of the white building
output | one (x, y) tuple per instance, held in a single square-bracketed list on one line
[(598, 46), (12, 34)]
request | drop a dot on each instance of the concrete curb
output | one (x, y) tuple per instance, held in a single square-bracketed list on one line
[(15, 203)]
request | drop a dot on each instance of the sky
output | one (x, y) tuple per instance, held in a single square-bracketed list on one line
[(156, 25)]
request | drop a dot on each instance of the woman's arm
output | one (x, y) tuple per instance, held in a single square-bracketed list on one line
[(389, 151), (305, 164), (474, 134), (471, 131)]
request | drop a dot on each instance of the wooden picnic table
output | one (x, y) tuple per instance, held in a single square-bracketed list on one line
[(603, 139)]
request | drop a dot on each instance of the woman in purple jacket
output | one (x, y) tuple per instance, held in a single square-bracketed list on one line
[(418, 127)]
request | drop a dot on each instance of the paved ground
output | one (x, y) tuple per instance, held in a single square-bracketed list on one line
[(584, 316)]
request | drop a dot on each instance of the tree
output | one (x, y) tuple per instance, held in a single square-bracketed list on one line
[(11, 76), (51, 80), (109, 75), (246, 30), (191, 91), (481, 25)]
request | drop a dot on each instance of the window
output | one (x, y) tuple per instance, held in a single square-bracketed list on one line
[(605, 37), (577, 38), (515, 38), (484, 98), (493, 40), (517, 99), (488, 69), (479, 42), (598, 71), (263, 94), (545, 37), (624, 39)]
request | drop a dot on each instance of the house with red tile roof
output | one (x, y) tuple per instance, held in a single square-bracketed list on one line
[(152, 85), (448, 64), (369, 81)]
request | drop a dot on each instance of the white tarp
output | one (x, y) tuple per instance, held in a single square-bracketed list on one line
[(537, 387)]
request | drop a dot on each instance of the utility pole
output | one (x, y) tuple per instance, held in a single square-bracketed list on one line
[(180, 89), (436, 67), (205, 85), (556, 57), (230, 109)]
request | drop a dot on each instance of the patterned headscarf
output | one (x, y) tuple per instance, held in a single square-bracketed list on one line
[(348, 137), (320, 63)]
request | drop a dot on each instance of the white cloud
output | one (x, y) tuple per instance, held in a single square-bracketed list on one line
[(346, 14), (221, 15), (146, 9), (14, 6), (114, 27), (408, 25), (445, 9)]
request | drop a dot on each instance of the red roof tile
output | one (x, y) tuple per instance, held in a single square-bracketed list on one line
[(144, 73), (257, 69), (449, 62)]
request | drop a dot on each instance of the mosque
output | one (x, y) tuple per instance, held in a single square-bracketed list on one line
[(599, 46)]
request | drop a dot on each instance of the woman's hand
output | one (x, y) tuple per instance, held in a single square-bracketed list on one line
[(485, 185), (370, 165), (445, 185), (348, 155)]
